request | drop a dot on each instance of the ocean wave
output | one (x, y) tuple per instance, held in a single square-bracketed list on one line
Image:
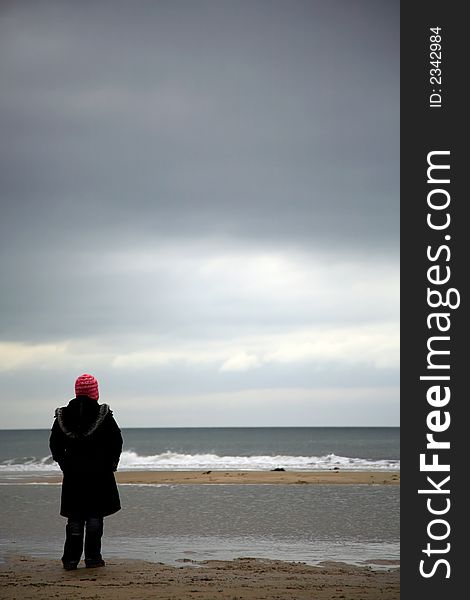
[(173, 461), (29, 464)]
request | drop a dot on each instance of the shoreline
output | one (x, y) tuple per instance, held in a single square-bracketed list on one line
[(26, 577), (241, 477)]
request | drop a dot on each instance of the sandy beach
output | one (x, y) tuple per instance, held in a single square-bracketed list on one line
[(23, 578), (249, 477), (32, 577)]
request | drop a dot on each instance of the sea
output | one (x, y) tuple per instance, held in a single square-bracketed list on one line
[(177, 524)]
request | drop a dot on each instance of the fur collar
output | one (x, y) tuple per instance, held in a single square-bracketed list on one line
[(103, 411)]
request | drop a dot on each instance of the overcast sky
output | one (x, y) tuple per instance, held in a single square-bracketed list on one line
[(200, 204)]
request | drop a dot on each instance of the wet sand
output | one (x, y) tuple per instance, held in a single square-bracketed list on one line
[(24, 578), (251, 477)]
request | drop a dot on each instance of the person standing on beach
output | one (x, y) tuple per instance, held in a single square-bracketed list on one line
[(86, 442)]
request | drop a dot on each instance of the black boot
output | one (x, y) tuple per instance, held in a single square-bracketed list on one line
[(91, 564), (73, 546), (94, 532)]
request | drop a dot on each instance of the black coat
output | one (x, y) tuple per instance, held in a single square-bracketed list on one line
[(87, 443)]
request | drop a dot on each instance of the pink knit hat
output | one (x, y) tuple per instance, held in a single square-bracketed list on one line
[(87, 385)]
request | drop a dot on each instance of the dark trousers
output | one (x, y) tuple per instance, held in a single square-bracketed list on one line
[(76, 529)]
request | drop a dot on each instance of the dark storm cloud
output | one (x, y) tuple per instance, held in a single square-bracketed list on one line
[(256, 120), (200, 197)]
